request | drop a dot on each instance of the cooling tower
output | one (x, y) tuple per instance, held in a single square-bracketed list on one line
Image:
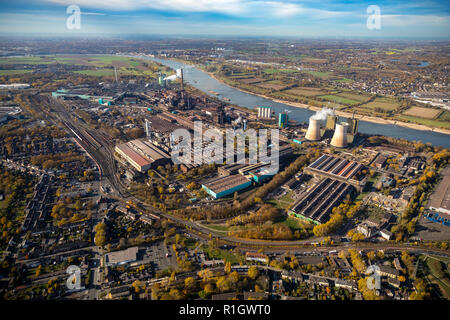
[(313, 133), (340, 135)]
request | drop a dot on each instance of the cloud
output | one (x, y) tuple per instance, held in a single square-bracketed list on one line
[(398, 20), (223, 6)]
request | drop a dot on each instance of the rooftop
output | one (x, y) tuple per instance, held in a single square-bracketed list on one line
[(225, 183), (441, 197), (123, 256)]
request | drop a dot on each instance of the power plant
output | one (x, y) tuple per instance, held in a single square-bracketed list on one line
[(341, 134), (339, 139), (313, 133)]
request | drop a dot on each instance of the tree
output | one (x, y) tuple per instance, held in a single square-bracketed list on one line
[(208, 288), (100, 234), (189, 283), (227, 267), (253, 272), (137, 286), (222, 284), (371, 255)]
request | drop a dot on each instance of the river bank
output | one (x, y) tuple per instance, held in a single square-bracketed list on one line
[(409, 125)]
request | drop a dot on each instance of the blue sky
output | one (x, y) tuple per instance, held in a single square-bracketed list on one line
[(310, 18)]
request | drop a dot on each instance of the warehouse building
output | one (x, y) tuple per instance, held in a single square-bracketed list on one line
[(121, 257), (230, 169), (142, 155), (317, 204), (439, 205), (224, 186), (328, 166)]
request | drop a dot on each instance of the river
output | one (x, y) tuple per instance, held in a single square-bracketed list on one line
[(204, 82)]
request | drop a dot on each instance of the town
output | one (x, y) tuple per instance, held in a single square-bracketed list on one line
[(88, 179)]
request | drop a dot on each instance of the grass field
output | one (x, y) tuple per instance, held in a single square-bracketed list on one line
[(354, 96), (439, 274), (218, 227), (426, 113), (292, 223), (338, 99), (427, 122), (223, 254), (275, 71), (271, 86), (305, 91), (385, 104), (319, 74), (98, 65), (11, 72), (445, 116)]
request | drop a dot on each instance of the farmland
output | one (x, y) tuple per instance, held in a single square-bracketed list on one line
[(426, 113), (89, 65)]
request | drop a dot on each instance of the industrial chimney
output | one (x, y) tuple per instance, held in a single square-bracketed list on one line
[(340, 135), (313, 133)]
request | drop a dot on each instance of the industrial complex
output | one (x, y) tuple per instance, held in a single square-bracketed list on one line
[(224, 186), (142, 155)]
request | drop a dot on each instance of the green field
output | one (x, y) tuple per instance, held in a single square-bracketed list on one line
[(98, 65), (385, 104), (354, 96), (319, 74), (444, 116), (217, 227), (439, 274), (272, 71), (292, 223), (338, 99), (223, 254), (428, 122), (11, 72)]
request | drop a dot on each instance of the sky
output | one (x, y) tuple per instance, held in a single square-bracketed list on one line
[(269, 18)]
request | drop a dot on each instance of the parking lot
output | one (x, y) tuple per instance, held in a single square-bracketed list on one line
[(161, 256)]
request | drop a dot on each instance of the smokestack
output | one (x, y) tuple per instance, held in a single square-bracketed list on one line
[(313, 133), (182, 80), (148, 129), (340, 135)]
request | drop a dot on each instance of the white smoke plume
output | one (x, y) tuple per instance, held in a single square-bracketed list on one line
[(171, 78), (323, 114), (175, 76)]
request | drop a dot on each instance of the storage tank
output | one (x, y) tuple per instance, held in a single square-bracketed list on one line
[(313, 133), (340, 135)]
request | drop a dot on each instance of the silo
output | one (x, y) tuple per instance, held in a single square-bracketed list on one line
[(340, 135), (313, 133)]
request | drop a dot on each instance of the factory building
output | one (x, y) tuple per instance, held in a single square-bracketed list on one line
[(230, 169), (317, 204), (283, 120), (142, 155), (260, 175), (224, 186), (264, 112), (439, 205), (336, 168)]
